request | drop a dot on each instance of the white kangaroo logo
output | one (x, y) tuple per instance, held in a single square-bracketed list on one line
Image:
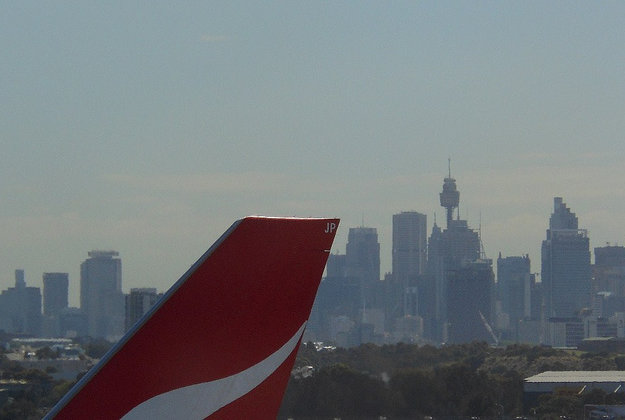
[(201, 400)]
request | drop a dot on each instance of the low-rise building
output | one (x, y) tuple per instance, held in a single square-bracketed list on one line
[(580, 381)]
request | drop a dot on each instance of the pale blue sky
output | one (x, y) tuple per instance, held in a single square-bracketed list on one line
[(148, 127)]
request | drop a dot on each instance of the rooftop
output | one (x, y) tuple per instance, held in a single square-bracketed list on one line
[(583, 376)]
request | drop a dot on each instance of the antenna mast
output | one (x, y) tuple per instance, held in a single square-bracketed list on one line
[(482, 250)]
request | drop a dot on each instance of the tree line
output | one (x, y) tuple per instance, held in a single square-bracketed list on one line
[(392, 381), (410, 381)]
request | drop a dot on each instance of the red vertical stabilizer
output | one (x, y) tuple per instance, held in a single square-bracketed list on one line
[(222, 341)]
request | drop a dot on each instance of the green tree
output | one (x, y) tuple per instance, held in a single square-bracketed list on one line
[(97, 348), (561, 403), (45, 353), (20, 408), (336, 391), (416, 392)]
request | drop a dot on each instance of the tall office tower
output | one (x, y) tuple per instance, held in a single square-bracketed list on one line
[(362, 267), (609, 270), (565, 270), (469, 302), (409, 244), (436, 270), (101, 297), (335, 267), (138, 302), (20, 308), (409, 260), (55, 290), (338, 297), (514, 288), (362, 255), (610, 256), (536, 298), (449, 250)]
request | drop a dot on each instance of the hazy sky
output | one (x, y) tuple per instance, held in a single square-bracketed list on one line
[(148, 127)]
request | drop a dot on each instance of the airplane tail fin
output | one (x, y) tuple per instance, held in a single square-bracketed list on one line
[(222, 341)]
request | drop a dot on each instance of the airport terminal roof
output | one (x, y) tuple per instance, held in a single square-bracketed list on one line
[(609, 381), (582, 376)]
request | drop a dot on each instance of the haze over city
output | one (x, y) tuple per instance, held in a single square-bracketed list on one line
[(149, 129)]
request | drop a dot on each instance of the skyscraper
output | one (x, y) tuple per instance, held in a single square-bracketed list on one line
[(609, 270), (448, 250), (101, 297), (20, 307), (565, 267), (514, 288), (362, 255), (55, 290), (608, 277), (409, 244), (336, 266), (469, 302), (338, 296), (138, 302), (362, 265), (409, 262)]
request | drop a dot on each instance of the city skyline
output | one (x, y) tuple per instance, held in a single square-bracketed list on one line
[(149, 130), (409, 304), (337, 250)]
